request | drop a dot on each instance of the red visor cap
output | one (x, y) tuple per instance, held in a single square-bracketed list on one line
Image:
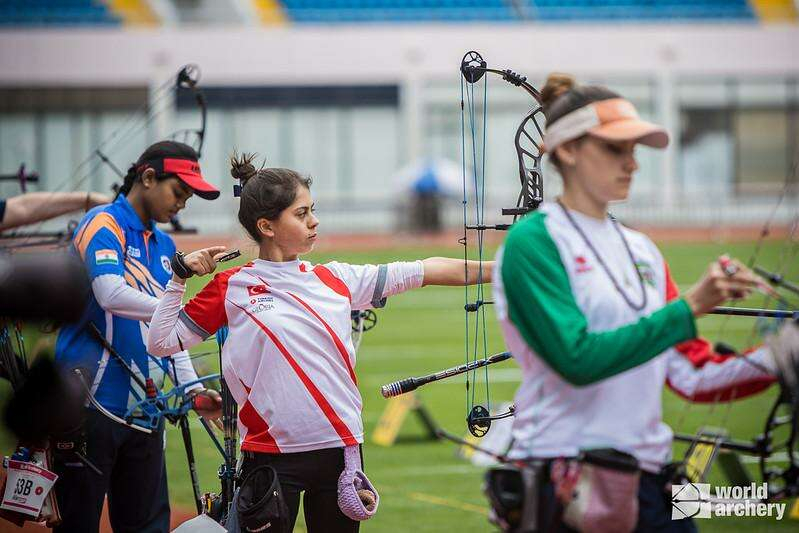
[(189, 173)]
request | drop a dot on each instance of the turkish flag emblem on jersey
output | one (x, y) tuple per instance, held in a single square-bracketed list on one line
[(582, 264), (254, 290)]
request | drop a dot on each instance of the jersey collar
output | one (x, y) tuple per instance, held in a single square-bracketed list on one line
[(131, 219)]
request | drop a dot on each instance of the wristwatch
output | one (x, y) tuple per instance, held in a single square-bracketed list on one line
[(179, 266)]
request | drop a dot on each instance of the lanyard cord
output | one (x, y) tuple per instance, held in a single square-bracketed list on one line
[(634, 306)]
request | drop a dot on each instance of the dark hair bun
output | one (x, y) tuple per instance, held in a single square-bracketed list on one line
[(241, 167), (557, 84), (561, 95)]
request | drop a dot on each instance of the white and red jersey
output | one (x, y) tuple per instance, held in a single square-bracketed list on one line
[(289, 359)]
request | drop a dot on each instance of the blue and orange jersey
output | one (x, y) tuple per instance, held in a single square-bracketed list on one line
[(111, 239)]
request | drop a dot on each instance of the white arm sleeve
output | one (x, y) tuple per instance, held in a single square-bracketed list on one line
[(119, 298), (403, 276), (712, 377), (368, 284), (167, 334)]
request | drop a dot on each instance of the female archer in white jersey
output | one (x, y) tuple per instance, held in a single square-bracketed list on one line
[(289, 358), (592, 316)]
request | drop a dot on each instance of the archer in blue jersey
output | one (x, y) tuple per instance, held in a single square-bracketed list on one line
[(113, 242), (129, 262)]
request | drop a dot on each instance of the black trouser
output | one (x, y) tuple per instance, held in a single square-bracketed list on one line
[(133, 476), (316, 473), (654, 509)]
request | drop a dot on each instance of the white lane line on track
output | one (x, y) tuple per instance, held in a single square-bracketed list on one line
[(446, 502), (463, 469)]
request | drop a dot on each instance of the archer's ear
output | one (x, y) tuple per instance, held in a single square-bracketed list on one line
[(265, 227), (566, 153), (148, 178)]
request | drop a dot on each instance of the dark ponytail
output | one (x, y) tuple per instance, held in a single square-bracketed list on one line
[(265, 192), (130, 179)]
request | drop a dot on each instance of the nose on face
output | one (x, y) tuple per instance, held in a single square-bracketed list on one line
[(180, 203), (629, 162)]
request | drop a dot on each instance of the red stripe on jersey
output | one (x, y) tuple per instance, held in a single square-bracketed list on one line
[(338, 424), (672, 291), (329, 279), (339, 345), (207, 308), (258, 438)]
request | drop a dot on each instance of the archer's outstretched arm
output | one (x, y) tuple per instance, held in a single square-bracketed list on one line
[(451, 271), (34, 207), (705, 376)]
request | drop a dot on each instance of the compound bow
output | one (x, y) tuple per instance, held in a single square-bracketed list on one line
[(528, 143)]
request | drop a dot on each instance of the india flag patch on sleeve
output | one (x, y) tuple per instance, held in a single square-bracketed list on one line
[(106, 257)]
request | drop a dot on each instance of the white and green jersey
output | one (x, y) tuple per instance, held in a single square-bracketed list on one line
[(591, 372)]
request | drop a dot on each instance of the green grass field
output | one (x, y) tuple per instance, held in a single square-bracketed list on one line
[(424, 485)]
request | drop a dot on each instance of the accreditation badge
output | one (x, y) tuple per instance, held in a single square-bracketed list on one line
[(27, 486)]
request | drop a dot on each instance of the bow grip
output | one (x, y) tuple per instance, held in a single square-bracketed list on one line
[(205, 403)]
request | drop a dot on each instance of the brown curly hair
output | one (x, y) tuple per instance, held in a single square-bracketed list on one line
[(265, 192)]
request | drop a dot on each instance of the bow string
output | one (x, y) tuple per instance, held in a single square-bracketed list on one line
[(528, 145)]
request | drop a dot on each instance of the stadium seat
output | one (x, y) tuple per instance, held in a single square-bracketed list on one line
[(55, 13)]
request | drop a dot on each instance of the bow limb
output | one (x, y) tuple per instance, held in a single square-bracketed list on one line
[(188, 78), (178, 404), (102, 410)]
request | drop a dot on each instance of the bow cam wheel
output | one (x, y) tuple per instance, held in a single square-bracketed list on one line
[(478, 421), (473, 66)]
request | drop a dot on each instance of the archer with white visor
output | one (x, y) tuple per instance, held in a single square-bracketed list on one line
[(595, 321), (289, 359)]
